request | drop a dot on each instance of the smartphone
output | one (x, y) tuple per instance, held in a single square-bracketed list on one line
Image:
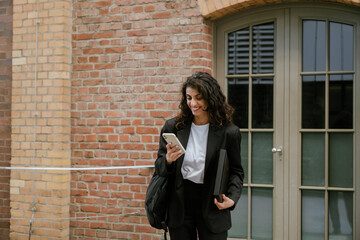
[(171, 138)]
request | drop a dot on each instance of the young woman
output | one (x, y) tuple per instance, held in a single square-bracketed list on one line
[(203, 126)]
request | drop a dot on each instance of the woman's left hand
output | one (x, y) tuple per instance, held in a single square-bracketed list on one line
[(228, 202)]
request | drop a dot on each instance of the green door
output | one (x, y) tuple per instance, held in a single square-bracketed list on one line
[(291, 74), (326, 132)]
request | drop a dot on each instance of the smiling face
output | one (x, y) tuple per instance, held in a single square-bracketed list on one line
[(197, 106)]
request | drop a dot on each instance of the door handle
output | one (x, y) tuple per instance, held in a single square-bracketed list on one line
[(278, 149)]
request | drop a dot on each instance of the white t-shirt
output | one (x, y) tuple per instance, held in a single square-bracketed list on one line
[(194, 160)]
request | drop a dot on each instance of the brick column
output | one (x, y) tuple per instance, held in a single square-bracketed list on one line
[(40, 117), (5, 118)]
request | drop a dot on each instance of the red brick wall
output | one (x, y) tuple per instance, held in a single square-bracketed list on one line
[(129, 60), (5, 110)]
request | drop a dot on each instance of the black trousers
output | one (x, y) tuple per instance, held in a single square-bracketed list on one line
[(193, 225)]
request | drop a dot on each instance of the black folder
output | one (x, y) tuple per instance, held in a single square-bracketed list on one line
[(222, 176)]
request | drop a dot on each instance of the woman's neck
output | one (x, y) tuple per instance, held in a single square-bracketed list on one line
[(200, 121)]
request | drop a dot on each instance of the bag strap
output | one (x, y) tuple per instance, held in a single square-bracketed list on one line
[(165, 237), (165, 225), (174, 130)]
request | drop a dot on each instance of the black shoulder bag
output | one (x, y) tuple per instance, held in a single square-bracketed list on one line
[(156, 202)]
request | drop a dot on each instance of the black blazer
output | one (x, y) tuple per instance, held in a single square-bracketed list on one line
[(226, 137)]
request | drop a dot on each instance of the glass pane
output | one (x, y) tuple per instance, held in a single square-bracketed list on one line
[(261, 213), (341, 101), (313, 159), (238, 97), (341, 47), (262, 158), (314, 46), (238, 52), (313, 101), (245, 154), (262, 102), (341, 160), (239, 217), (313, 215), (263, 48), (341, 215)]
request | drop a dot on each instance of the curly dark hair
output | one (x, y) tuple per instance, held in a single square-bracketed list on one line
[(220, 112)]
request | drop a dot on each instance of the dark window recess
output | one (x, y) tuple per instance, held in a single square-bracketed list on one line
[(238, 95), (341, 101), (262, 102), (313, 101)]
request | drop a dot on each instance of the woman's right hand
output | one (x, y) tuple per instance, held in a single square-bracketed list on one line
[(172, 154)]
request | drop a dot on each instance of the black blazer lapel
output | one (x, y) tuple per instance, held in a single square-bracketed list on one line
[(213, 141), (183, 136)]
